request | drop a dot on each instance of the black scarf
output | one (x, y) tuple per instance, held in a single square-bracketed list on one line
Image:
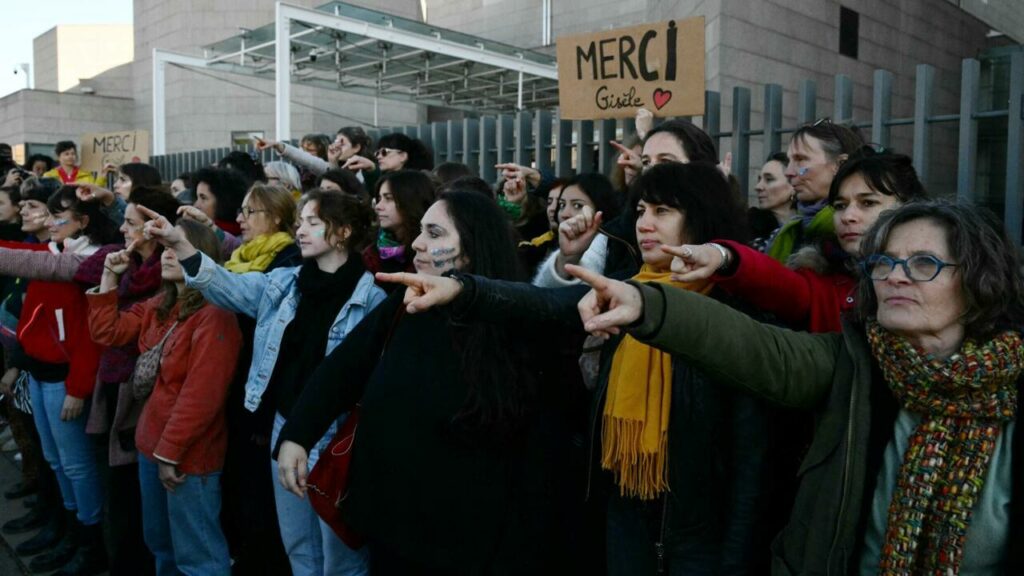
[(304, 344)]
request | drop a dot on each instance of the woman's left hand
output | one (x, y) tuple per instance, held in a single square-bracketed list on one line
[(423, 292), (609, 306), (72, 408), (169, 476)]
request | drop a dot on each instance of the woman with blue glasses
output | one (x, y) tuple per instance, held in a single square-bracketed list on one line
[(916, 461)]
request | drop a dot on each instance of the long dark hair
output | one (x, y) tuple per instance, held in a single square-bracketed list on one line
[(495, 364), (228, 186), (695, 142), (141, 174), (701, 192), (600, 191), (419, 156), (886, 173), (100, 230), (413, 192)]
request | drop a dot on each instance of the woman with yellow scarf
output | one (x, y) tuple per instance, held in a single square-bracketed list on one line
[(683, 455), (266, 220)]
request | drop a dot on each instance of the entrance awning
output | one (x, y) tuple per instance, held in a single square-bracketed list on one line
[(353, 49)]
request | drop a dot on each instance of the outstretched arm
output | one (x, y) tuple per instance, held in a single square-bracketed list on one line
[(789, 368)]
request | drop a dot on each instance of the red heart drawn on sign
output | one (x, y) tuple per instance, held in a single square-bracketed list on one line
[(661, 97)]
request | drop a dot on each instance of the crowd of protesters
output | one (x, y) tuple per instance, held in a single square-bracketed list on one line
[(621, 374)]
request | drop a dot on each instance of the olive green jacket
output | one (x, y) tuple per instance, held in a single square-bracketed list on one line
[(828, 373)]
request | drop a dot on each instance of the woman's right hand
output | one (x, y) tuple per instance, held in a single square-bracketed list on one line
[(262, 144), (7, 381), (577, 233), (88, 192), (627, 157), (197, 215), (691, 262), (423, 292), (117, 262), (160, 229), (292, 468)]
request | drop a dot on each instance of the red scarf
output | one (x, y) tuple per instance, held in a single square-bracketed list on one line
[(64, 175)]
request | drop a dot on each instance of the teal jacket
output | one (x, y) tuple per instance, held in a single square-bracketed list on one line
[(831, 374)]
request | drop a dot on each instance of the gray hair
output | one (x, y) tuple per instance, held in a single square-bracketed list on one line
[(285, 172)]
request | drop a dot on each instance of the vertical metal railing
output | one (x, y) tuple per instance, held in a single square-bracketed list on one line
[(560, 146)]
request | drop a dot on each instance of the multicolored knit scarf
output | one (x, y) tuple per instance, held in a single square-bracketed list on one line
[(963, 401), (388, 246)]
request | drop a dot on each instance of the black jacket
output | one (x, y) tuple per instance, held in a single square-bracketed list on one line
[(415, 487), (717, 440)]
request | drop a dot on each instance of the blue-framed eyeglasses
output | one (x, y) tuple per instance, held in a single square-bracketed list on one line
[(918, 268)]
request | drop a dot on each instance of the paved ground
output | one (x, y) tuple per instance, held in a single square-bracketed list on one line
[(10, 563)]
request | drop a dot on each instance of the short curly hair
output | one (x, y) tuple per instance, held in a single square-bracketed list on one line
[(987, 261)]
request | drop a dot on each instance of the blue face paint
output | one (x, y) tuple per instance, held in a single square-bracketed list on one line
[(802, 171), (319, 233), (442, 251)]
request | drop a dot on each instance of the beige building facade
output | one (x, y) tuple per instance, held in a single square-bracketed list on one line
[(748, 43)]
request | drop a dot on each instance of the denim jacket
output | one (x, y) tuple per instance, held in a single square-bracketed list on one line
[(272, 299)]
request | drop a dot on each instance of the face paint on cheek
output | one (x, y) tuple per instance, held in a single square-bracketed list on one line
[(442, 257), (319, 233)]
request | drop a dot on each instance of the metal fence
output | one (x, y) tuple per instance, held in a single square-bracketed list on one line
[(565, 146)]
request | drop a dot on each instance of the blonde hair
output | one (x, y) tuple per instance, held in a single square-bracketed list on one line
[(278, 202)]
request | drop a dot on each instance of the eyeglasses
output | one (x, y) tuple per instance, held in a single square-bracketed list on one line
[(247, 212), (918, 268), (386, 151)]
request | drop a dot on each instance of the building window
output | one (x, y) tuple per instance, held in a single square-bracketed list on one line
[(849, 32), (245, 137)]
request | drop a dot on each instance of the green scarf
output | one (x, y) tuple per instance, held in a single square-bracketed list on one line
[(793, 234), (964, 401), (513, 210)]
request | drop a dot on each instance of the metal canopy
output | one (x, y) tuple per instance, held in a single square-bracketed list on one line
[(355, 49)]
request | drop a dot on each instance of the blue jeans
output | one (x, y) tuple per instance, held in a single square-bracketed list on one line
[(182, 528), (313, 548), (68, 450)]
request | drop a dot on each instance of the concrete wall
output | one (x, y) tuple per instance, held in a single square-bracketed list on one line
[(750, 43), (66, 54), (785, 41), (44, 61), (45, 116)]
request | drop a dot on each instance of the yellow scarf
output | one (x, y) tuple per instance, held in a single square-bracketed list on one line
[(634, 442), (256, 254), (539, 240)]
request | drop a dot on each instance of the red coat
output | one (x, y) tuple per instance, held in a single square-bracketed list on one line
[(802, 298), (53, 327), (184, 418)]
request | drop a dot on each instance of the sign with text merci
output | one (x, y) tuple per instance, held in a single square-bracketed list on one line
[(612, 74), (100, 149)]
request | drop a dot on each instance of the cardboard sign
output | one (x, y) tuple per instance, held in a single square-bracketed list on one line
[(612, 74), (100, 149)]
